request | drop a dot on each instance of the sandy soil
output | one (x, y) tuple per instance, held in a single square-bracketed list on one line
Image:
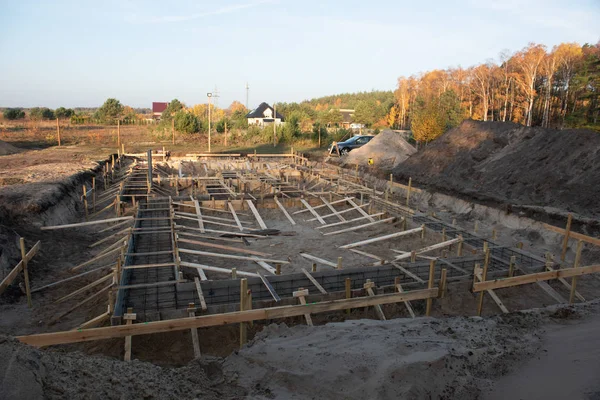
[(387, 149)]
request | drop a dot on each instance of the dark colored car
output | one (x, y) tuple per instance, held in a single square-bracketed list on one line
[(353, 143)]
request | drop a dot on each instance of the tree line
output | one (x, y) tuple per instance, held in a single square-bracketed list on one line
[(558, 87), (38, 113)]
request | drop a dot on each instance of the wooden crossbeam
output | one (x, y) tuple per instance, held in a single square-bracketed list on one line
[(269, 287), (102, 221), (493, 295), (48, 339), (349, 221), (200, 294), (536, 277), (223, 247), (347, 210), (380, 238), (231, 256), (284, 211), (355, 228), (312, 211), (266, 266), (216, 269), (12, 275), (333, 210), (318, 260), (323, 205), (360, 210), (433, 247), (235, 217), (301, 295), (256, 214), (314, 281), (369, 288), (199, 214), (573, 235)]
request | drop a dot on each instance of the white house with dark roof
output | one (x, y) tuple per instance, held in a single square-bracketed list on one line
[(263, 115)]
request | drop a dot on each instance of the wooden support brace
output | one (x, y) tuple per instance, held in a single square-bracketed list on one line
[(300, 294)]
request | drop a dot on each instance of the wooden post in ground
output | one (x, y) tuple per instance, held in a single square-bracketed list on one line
[(233, 273), (314, 267), (339, 263), (129, 317), (444, 234), (277, 269), (348, 288), (25, 272), (300, 294), (391, 183), (423, 232), (429, 286), (443, 283), (476, 228), (58, 131), (94, 194), (575, 265), (413, 256), (85, 202), (494, 234), (243, 298), (511, 266), (408, 191), (173, 129), (563, 254), (192, 313), (483, 278), (368, 286), (119, 136)]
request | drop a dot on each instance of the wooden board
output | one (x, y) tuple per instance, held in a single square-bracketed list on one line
[(380, 238), (312, 211), (48, 339), (103, 221), (256, 214), (318, 260), (314, 281), (355, 228), (287, 215), (12, 275)]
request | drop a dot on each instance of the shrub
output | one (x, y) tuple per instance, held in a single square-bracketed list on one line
[(13, 113), (186, 122)]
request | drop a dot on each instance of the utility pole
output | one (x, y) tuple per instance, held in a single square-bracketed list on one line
[(209, 95), (247, 88), (274, 125)]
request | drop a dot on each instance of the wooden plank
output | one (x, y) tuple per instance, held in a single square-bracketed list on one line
[(266, 266), (256, 214), (200, 294), (154, 265), (380, 238), (348, 221), (407, 272), (312, 211), (314, 281), (536, 277), (240, 234), (71, 278), (199, 214), (318, 260), (269, 286), (301, 295), (216, 269), (84, 301), (99, 242), (347, 210), (493, 295), (102, 221), (85, 288), (433, 247), (93, 260), (231, 256), (323, 205), (194, 331), (235, 217), (333, 210), (369, 287), (573, 235), (406, 303), (12, 275), (282, 208), (223, 247), (48, 339), (360, 210), (95, 321), (355, 228)]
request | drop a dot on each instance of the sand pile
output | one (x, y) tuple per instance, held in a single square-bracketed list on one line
[(387, 150), (506, 163), (6, 149)]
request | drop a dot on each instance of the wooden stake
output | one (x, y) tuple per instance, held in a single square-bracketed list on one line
[(443, 283), (314, 267), (129, 317), (348, 288), (277, 269), (339, 263), (368, 286), (173, 129), (243, 298), (85, 202), (58, 131), (566, 238), (25, 272), (483, 278), (300, 294), (430, 285), (575, 265), (511, 266), (192, 313), (408, 191)]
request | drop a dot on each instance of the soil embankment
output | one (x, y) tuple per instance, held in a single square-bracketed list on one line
[(509, 164), (387, 149)]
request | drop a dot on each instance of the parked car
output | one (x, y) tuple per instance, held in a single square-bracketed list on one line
[(353, 143)]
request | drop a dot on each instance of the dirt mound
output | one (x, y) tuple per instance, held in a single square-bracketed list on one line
[(508, 163), (387, 150), (6, 149), (28, 373)]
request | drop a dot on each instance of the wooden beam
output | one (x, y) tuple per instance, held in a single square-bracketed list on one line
[(282, 208), (194, 331), (95, 321), (71, 278), (360, 210), (493, 295), (269, 286), (348, 221), (318, 260), (216, 269), (407, 272), (312, 211), (223, 247), (200, 294), (536, 277), (266, 266), (354, 228), (235, 217), (231, 256), (85, 288), (347, 210), (93, 260), (380, 238), (301, 295), (48, 339), (368, 286), (333, 210), (406, 303), (199, 214), (12, 275), (314, 281), (433, 247), (102, 221), (256, 214), (573, 235)]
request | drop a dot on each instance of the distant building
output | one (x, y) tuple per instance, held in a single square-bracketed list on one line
[(263, 115), (347, 115), (158, 108)]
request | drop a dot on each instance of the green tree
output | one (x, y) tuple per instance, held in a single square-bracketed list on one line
[(334, 117), (319, 133), (13, 113), (450, 108), (365, 112), (291, 129), (39, 113), (173, 107), (186, 122), (63, 113), (110, 110)]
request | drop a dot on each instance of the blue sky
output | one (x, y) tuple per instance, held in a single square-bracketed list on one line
[(78, 53)]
